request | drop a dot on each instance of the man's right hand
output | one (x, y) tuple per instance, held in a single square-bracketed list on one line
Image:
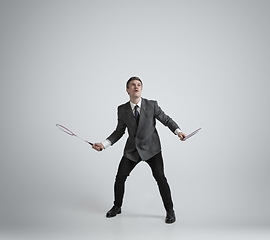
[(98, 146)]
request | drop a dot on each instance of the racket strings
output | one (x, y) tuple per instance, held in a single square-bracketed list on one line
[(64, 129)]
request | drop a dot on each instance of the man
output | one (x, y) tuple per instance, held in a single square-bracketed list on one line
[(139, 117)]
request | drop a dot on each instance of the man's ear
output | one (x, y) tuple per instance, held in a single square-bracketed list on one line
[(127, 91)]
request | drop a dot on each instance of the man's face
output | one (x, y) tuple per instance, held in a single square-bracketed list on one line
[(134, 88)]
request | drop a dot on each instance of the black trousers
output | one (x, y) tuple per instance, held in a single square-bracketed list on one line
[(157, 167)]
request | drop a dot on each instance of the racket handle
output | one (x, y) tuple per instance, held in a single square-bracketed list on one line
[(92, 145)]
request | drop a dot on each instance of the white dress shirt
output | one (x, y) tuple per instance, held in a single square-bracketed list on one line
[(133, 106)]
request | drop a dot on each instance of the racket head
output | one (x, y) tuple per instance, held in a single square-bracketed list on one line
[(191, 134), (64, 129)]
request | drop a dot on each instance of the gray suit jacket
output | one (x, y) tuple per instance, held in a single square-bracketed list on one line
[(143, 140)]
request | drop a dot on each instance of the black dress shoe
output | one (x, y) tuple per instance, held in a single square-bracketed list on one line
[(170, 217), (113, 212)]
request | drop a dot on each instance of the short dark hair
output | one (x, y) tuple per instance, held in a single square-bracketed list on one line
[(132, 79)]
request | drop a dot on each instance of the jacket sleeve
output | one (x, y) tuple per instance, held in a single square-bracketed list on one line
[(120, 128), (164, 119)]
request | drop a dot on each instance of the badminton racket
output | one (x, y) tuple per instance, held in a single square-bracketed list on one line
[(66, 130), (191, 134)]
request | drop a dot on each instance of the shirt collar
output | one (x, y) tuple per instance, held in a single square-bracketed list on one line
[(133, 105)]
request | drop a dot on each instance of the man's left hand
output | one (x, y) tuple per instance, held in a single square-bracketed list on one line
[(181, 136)]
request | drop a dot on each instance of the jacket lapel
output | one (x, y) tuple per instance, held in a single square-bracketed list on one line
[(143, 115), (130, 117)]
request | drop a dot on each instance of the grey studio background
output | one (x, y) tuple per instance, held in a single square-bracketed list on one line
[(67, 62)]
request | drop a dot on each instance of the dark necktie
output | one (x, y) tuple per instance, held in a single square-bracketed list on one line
[(136, 114)]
